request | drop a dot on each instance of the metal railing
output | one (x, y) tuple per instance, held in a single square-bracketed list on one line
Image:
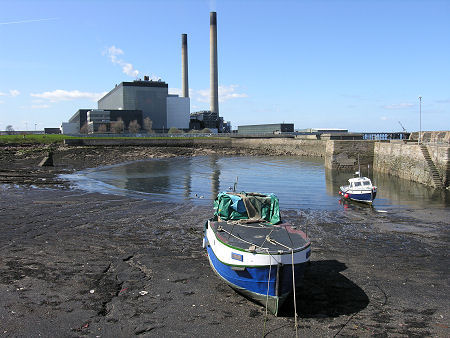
[(384, 136)]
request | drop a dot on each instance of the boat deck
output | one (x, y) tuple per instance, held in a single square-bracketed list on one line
[(263, 236)]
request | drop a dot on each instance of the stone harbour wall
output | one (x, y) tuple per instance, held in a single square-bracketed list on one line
[(282, 146), (344, 155), (407, 161), (432, 136)]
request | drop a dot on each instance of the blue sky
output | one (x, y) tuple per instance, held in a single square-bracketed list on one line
[(359, 65)]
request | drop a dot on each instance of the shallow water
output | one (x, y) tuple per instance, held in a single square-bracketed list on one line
[(298, 182)]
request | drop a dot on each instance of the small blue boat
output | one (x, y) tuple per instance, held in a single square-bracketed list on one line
[(253, 251), (359, 189)]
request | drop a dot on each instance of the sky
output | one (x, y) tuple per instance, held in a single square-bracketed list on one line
[(357, 65)]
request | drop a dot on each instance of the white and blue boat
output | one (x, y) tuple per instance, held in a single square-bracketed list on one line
[(253, 251), (359, 189)]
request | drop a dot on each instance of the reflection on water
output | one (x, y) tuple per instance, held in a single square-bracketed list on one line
[(392, 190), (298, 182)]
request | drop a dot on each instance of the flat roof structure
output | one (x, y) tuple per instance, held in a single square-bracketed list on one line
[(137, 83), (266, 128)]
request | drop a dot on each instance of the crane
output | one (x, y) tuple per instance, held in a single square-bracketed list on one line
[(401, 125)]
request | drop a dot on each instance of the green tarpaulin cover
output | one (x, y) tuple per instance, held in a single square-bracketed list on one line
[(247, 206)]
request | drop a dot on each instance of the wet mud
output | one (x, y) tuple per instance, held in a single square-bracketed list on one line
[(81, 264)]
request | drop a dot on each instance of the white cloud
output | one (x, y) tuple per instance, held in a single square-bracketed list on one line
[(14, 92), (384, 118), (203, 95), (65, 95), (40, 106), (25, 21), (2, 102), (225, 93), (228, 92), (127, 68), (113, 51), (399, 106), (200, 95)]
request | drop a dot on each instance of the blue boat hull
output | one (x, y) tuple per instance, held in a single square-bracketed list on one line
[(269, 285), (365, 197)]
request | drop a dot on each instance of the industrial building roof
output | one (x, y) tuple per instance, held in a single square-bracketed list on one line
[(137, 83)]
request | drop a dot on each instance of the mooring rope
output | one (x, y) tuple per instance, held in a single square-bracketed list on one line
[(267, 296), (272, 241), (295, 298)]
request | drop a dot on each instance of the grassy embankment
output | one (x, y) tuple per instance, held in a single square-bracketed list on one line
[(33, 139), (59, 139)]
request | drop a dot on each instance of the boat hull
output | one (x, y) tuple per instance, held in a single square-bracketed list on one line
[(366, 196), (266, 281), (254, 282)]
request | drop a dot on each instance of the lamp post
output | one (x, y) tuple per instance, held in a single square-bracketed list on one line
[(420, 119)]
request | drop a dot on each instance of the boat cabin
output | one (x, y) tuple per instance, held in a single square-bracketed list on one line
[(360, 183)]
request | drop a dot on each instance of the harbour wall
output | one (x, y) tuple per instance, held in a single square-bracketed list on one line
[(282, 146), (275, 146), (408, 161), (432, 136), (347, 154), (404, 160)]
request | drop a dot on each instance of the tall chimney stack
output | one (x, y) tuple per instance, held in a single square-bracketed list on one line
[(213, 62), (184, 66)]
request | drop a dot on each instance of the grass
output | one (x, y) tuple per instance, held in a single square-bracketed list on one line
[(34, 139), (59, 138)]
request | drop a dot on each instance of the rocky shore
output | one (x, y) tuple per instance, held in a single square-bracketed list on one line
[(80, 264)]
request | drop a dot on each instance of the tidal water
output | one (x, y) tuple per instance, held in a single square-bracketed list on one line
[(298, 182)]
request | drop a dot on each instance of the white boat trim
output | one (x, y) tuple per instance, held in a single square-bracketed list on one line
[(231, 256)]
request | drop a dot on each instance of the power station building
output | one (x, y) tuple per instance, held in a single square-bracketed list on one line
[(94, 118), (134, 101), (208, 119), (153, 99)]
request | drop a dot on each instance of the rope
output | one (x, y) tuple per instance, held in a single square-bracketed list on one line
[(293, 284), (243, 240), (293, 287), (267, 239), (267, 297), (271, 240), (256, 245), (290, 239), (295, 298), (261, 224)]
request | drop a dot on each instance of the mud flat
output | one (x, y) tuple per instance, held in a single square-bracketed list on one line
[(78, 264)]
